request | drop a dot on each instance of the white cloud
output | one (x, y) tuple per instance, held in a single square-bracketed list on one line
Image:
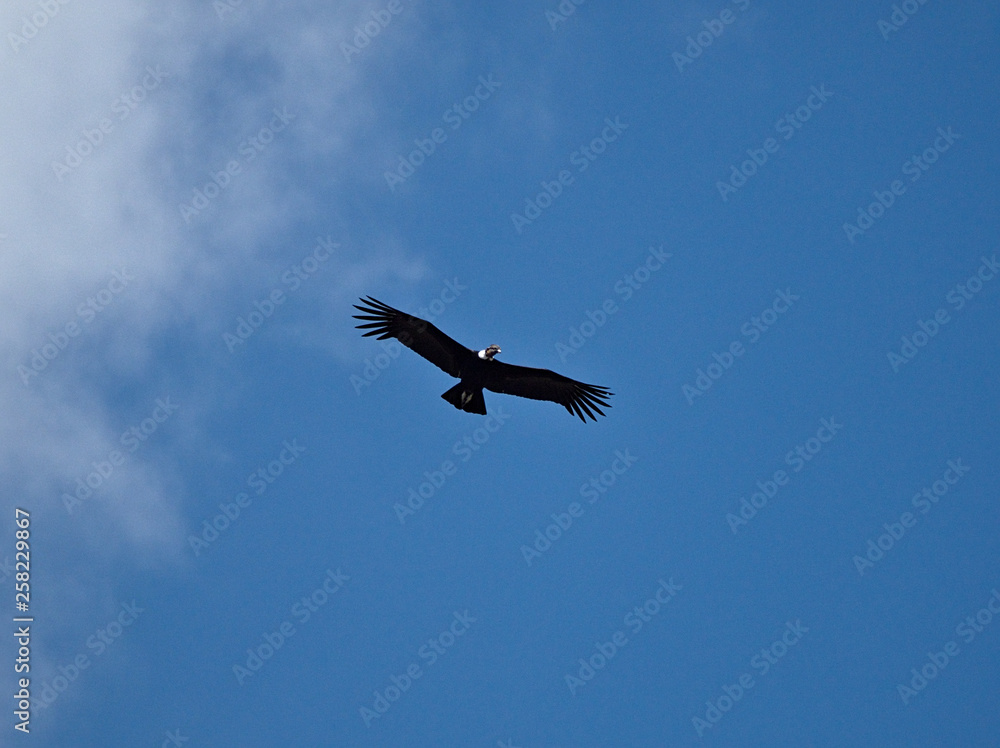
[(117, 210)]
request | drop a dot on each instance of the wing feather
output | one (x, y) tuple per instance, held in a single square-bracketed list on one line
[(417, 334)]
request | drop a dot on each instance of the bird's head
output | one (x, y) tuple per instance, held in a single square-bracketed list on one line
[(490, 352)]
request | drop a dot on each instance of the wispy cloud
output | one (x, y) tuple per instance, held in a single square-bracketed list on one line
[(109, 126)]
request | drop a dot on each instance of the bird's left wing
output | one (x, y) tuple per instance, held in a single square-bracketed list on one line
[(543, 384), (417, 334)]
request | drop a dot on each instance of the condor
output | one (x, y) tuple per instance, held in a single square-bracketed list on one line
[(478, 370)]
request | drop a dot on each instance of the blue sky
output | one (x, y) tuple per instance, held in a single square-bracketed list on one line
[(770, 229)]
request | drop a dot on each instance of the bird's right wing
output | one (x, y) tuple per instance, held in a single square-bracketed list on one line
[(416, 334), (543, 384)]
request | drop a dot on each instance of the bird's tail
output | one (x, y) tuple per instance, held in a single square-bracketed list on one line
[(464, 397)]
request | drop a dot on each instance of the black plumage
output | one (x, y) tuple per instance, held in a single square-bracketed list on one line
[(478, 370)]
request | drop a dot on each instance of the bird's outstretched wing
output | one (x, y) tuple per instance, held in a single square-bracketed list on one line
[(543, 384), (416, 334)]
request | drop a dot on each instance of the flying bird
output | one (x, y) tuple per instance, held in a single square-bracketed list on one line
[(479, 370)]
